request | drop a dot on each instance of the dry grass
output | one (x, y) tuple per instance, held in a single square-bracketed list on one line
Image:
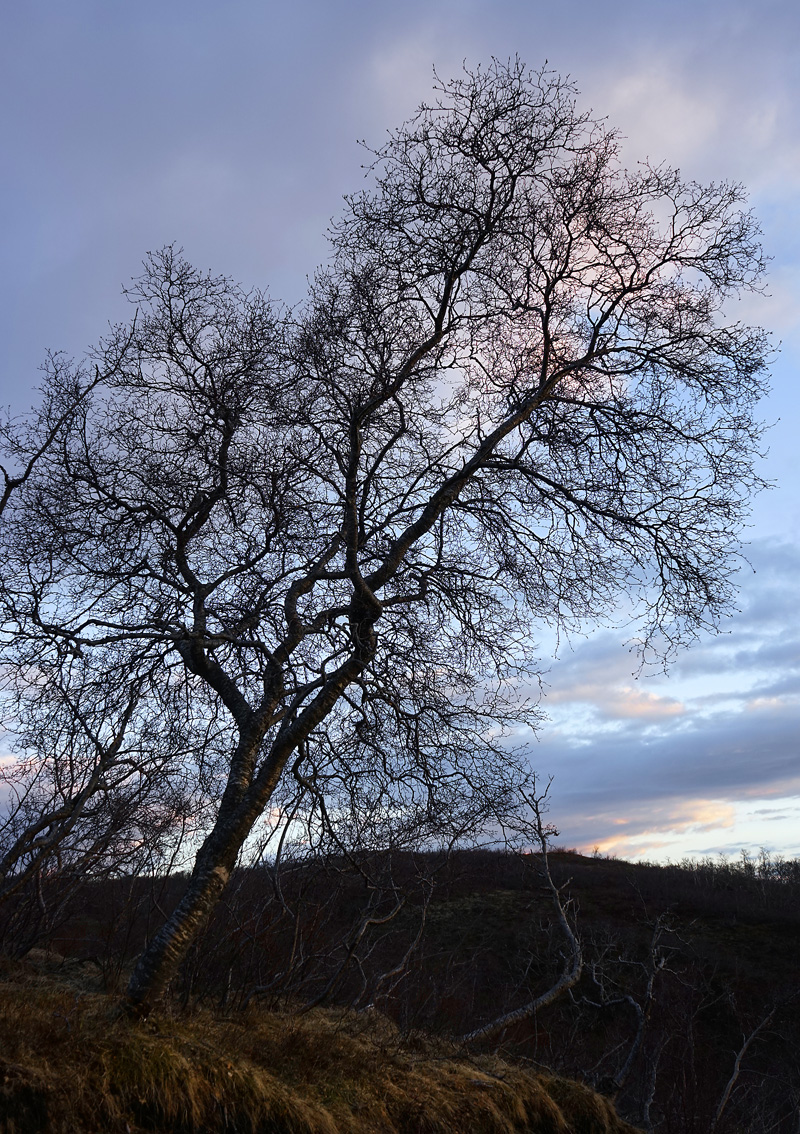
[(68, 1065)]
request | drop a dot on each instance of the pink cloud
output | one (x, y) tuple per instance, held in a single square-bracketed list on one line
[(647, 828), (619, 702)]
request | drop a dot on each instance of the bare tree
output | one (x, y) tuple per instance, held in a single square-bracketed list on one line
[(24, 441), (99, 784), (512, 397), (37, 821), (747, 1040), (540, 835)]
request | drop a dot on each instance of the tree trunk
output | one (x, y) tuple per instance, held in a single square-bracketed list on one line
[(239, 811), (158, 964), (213, 867)]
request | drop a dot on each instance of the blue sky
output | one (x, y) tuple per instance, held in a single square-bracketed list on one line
[(231, 129)]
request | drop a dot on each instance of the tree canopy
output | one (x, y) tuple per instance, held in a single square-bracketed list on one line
[(317, 543)]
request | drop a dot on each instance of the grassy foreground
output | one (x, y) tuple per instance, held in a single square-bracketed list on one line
[(67, 1065)]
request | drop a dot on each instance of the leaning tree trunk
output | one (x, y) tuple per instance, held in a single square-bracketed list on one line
[(161, 959), (242, 803), (245, 799)]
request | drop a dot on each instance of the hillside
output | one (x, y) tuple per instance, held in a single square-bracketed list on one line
[(67, 1065), (684, 1019)]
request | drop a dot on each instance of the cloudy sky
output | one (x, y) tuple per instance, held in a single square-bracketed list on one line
[(230, 128)]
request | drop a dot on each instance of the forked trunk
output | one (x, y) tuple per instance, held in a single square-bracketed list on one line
[(240, 808)]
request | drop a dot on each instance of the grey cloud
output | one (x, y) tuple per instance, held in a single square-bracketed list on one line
[(231, 129), (729, 745), (761, 642), (623, 784)]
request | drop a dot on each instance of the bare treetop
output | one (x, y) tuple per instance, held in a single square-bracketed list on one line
[(512, 398)]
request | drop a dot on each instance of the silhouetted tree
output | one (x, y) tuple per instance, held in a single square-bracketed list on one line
[(512, 397)]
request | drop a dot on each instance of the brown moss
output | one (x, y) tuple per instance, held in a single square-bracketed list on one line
[(67, 1064)]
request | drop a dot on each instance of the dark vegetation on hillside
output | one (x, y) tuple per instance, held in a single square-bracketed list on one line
[(686, 1013)]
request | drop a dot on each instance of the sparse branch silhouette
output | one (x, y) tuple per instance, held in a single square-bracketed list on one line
[(540, 835), (511, 398)]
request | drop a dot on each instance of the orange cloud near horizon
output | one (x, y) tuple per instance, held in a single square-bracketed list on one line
[(646, 827)]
